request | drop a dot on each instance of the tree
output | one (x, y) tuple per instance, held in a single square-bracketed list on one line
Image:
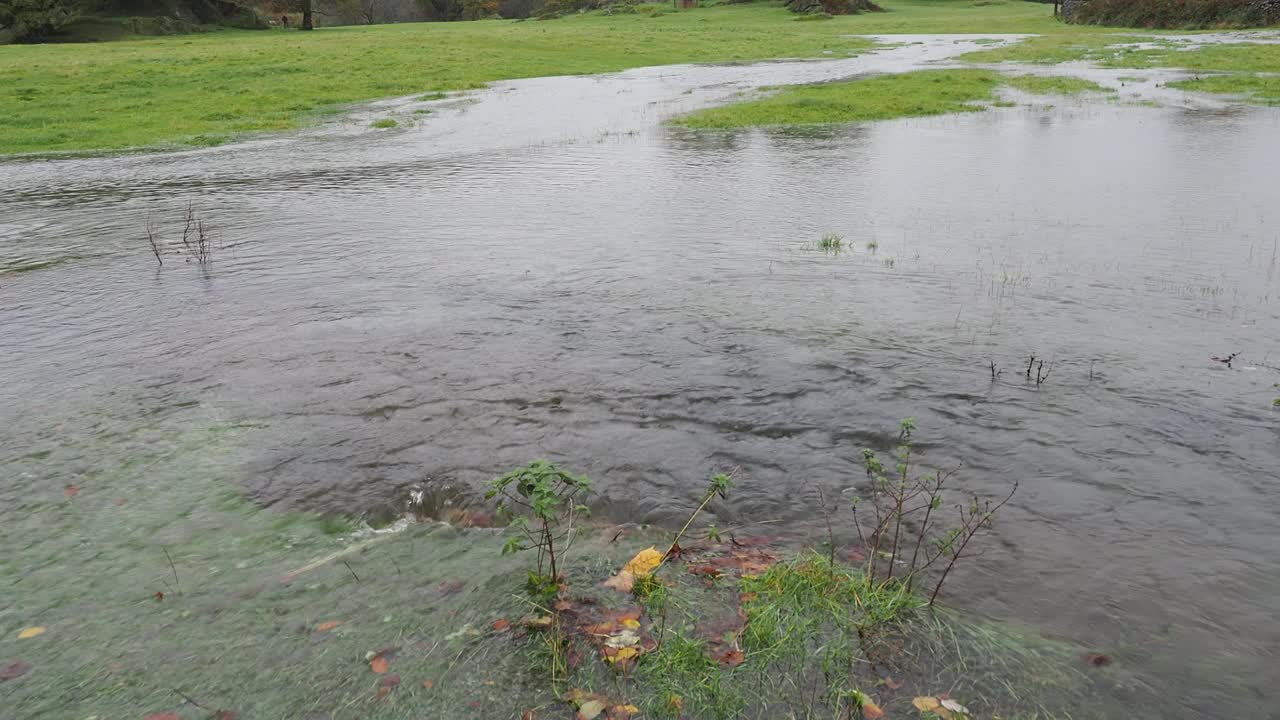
[(35, 19), (308, 21)]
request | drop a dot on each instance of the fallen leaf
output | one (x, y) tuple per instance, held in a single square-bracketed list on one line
[(644, 563), (631, 624), (162, 716), (731, 657), (158, 595), (500, 625), (328, 625), (590, 709), (893, 684), (391, 681), (544, 621), (1097, 659), (448, 587), (28, 633), (930, 704), (926, 703), (382, 693), (71, 491), (623, 712), (707, 570), (379, 664), (675, 702), (626, 638), (954, 706), (871, 710), (428, 684), (526, 715), (226, 715), (10, 669), (622, 582), (119, 501), (621, 655)]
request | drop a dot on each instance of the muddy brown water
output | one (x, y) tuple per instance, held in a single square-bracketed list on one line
[(545, 269)]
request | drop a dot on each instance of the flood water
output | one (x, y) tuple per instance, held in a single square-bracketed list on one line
[(546, 269)]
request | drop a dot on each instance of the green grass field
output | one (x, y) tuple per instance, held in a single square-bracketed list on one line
[(195, 90), (205, 89)]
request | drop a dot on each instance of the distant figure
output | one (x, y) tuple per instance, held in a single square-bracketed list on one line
[(284, 20)]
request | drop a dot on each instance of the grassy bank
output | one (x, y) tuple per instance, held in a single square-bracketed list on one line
[(204, 89)]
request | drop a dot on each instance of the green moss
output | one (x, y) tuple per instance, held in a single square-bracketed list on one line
[(932, 92), (1054, 85)]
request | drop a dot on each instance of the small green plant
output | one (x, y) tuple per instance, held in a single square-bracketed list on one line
[(542, 502), (901, 501), (872, 246), (890, 262), (431, 96), (1275, 403), (384, 123), (831, 243)]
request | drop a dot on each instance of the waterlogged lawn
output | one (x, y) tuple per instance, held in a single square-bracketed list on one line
[(1247, 69), (199, 90), (1054, 85), (932, 92)]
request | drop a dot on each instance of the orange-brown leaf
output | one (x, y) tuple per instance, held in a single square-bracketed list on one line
[(71, 491), (871, 710), (328, 625), (379, 664), (731, 657), (500, 625)]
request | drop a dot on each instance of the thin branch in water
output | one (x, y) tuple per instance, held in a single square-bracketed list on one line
[(187, 697), (173, 568), (151, 238), (353, 572)]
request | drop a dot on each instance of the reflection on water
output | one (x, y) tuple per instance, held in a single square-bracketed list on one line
[(583, 283)]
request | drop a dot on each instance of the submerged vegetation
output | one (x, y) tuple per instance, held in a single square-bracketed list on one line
[(750, 626)]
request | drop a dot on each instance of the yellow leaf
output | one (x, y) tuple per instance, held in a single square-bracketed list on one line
[(590, 709), (871, 710), (328, 625), (644, 563), (631, 623), (622, 654), (928, 703), (30, 632)]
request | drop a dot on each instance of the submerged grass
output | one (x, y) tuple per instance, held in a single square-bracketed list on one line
[(917, 94)]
